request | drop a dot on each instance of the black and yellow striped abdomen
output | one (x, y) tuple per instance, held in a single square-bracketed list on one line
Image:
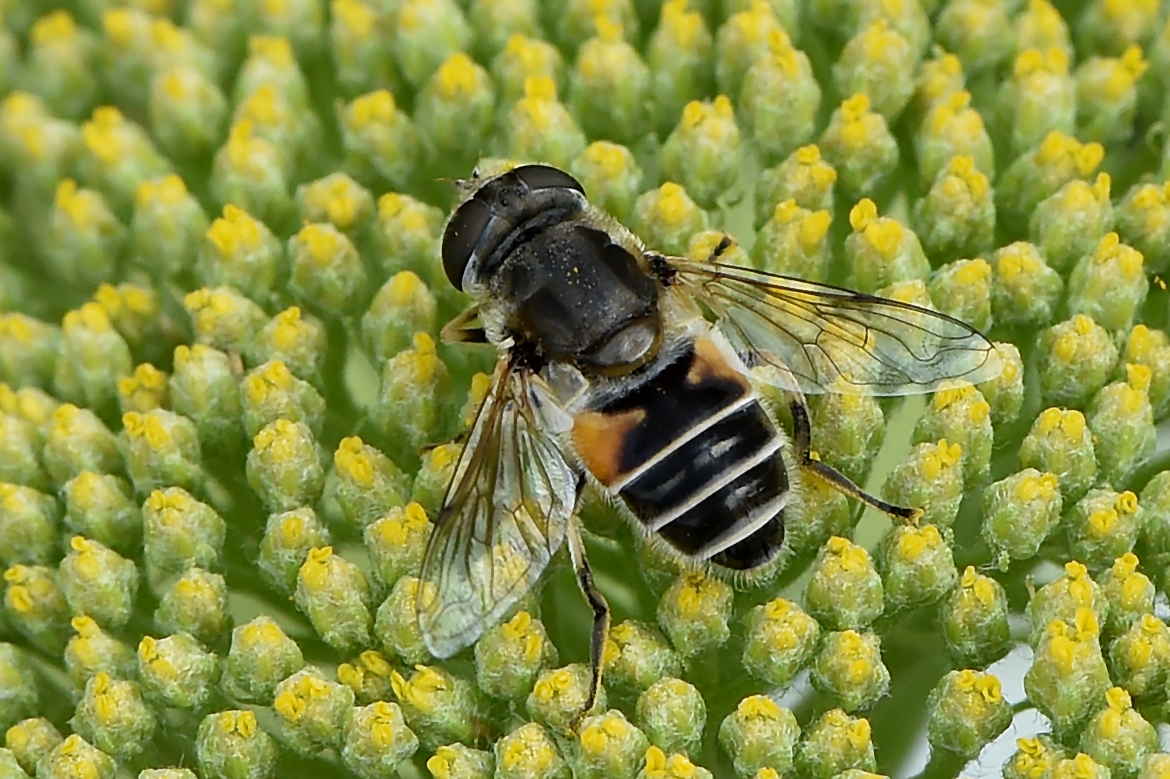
[(694, 456)]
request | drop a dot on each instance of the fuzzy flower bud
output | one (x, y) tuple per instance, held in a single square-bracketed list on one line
[(377, 135), (795, 242), (759, 735), (917, 566), (1102, 526), (1019, 512), (196, 603), (859, 145), (679, 57), (177, 671), (804, 177), (509, 657), (312, 711), (93, 357), (1061, 598), (559, 695), (232, 745), (284, 466), (161, 448), (271, 392), (528, 752), (77, 757), (637, 655), (456, 109), (781, 639), (29, 525), (377, 740), (538, 127), (1038, 98), (98, 582), (1069, 224), (78, 441), (694, 612), (1107, 95), (673, 714), (609, 86), (978, 32), (610, 174), (608, 745), (880, 251), (849, 668), (1068, 678), (781, 98), (260, 657), (114, 717), (1143, 220), (333, 593), (845, 591), (1118, 736), (1139, 658), (967, 711), (667, 217), (1037, 174), (975, 620), (703, 152), (205, 388), (92, 651), (403, 306), (439, 707), (1079, 359)]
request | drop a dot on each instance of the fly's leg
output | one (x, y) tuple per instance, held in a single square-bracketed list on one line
[(802, 435), (600, 608)]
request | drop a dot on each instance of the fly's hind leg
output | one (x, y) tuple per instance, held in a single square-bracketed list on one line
[(802, 435), (600, 608)]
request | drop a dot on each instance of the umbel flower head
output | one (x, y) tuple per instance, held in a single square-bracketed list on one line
[(228, 418)]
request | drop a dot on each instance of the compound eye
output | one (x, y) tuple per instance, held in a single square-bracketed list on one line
[(546, 177), (460, 237)]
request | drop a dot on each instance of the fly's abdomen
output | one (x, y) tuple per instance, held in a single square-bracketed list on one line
[(695, 457)]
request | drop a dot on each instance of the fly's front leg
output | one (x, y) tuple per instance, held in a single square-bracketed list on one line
[(802, 439), (600, 608)]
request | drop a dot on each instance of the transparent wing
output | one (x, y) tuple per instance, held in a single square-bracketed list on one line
[(503, 518), (822, 338)]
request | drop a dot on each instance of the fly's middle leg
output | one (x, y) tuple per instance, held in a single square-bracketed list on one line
[(601, 619)]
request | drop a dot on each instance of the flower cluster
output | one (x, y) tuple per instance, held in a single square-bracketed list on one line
[(228, 421)]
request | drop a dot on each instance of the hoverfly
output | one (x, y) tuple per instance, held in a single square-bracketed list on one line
[(630, 369)]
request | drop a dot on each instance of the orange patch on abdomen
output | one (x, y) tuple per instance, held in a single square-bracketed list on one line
[(600, 438)]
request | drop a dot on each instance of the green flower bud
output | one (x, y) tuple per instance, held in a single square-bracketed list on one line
[(703, 152), (403, 306), (39, 149), (667, 217), (284, 466), (858, 143), (1038, 99), (180, 533), (673, 714), (439, 707), (195, 603), (636, 656), (396, 542), (1107, 95), (961, 415), (326, 269), (780, 642), (559, 695), (1068, 224), (223, 318), (975, 620), (978, 33), (98, 582), (795, 241), (377, 740), (1060, 599), (396, 623), (880, 251), (1079, 358), (759, 735), (1034, 757), (1019, 512), (177, 672), (509, 657), (741, 42), (312, 711), (967, 712), (1150, 349), (1122, 422), (135, 312), (361, 57), (1155, 765), (608, 746), (287, 540), (1118, 736), (261, 656), (271, 63), (333, 593), (272, 392), (957, 216), (143, 391), (695, 611), (28, 741), (457, 761), (937, 79), (522, 57), (161, 448), (93, 651), (803, 177), (849, 668), (434, 476), (952, 128), (20, 446), (1039, 173), (658, 764), (1155, 499), (679, 56), (455, 111), (1068, 678), (93, 357), (187, 112), (338, 200), (232, 745), (845, 591), (1024, 290), (77, 757), (1102, 526), (781, 99), (1139, 659), (32, 406), (117, 155), (1143, 220), (406, 237), (364, 483), (917, 566), (295, 338), (378, 137), (29, 525), (1130, 594), (368, 675), (823, 512), (59, 65), (21, 699), (848, 430), (205, 388), (114, 717), (427, 32), (220, 29), (1061, 443), (494, 23), (1109, 284), (610, 86), (28, 350), (302, 23), (878, 62), (413, 407), (610, 175), (1040, 26), (248, 172), (528, 752), (77, 441)]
